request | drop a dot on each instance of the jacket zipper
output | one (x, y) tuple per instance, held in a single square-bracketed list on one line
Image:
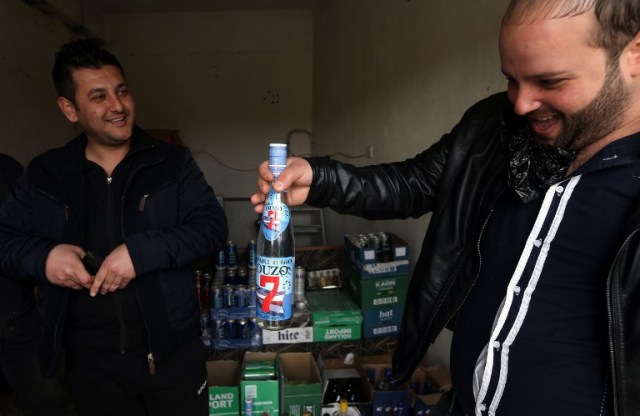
[(152, 364), (151, 361), (117, 299)]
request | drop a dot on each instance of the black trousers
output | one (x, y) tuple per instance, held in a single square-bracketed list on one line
[(20, 363), (111, 383)]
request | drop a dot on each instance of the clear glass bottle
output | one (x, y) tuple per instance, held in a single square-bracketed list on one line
[(301, 312), (275, 260)]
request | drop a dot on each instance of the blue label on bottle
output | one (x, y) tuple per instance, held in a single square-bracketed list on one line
[(274, 287), (275, 217)]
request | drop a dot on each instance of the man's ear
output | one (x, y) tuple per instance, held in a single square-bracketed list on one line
[(68, 109), (631, 56)]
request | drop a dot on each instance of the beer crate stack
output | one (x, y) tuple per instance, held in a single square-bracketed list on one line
[(377, 269), (228, 301)]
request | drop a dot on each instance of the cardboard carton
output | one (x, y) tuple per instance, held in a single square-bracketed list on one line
[(300, 384), (263, 393), (224, 396)]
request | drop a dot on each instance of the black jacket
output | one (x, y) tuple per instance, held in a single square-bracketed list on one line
[(170, 218), (458, 180)]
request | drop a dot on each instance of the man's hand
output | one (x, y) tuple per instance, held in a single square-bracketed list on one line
[(64, 267), (296, 178), (115, 273)]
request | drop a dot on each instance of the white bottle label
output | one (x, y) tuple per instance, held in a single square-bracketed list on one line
[(274, 287), (275, 217)]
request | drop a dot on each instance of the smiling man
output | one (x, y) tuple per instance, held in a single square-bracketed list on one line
[(531, 255), (109, 225)]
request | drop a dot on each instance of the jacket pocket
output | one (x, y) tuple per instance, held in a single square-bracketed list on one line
[(180, 298), (160, 206), (50, 214)]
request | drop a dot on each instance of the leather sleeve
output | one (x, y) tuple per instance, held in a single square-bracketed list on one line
[(387, 191)]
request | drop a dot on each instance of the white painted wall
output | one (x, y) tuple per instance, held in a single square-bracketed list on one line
[(231, 82), (30, 119), (397, 75)]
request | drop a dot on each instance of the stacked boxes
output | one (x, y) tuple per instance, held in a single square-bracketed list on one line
[(222, 378), (396, 401), (344, 379), (336, 317), (430, 383), (379, 281), (233, 315), (259, 385), (300, 384)]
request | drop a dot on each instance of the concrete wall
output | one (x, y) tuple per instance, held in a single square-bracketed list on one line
[(397, 75), (388, 73), (30, 119), (231, 82)]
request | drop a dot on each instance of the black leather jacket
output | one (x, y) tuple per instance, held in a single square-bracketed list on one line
[(458, 180)]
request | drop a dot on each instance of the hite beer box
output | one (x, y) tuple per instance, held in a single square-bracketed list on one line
[(293, 335), (369, 263), (259, 384), (222, 378), (335, 315), (300, 384)]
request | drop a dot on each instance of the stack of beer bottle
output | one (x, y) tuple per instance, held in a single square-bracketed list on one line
[(377, 269), (228, 301)]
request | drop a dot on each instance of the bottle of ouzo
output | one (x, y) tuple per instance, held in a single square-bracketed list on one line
[(275, 260)]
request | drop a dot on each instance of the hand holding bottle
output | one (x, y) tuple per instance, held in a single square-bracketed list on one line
[(296, 178)]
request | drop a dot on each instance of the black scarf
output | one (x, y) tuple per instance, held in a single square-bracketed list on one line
[(533, 166)]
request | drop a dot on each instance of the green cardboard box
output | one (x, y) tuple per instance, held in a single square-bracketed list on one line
[(264, 394), (335, 315), (378, 293), (300, 384), (222, 378)]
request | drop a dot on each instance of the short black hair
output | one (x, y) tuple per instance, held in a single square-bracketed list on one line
[(79, 53)]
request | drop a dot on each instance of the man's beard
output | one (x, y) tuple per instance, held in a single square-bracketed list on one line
[(601, 116)]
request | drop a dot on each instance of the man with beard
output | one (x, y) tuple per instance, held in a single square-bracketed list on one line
[(540, 290)]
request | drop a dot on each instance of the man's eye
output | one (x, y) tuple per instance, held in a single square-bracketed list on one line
[(548, 83), (97, 97)]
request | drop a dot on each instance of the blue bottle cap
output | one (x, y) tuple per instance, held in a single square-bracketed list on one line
[(277, 157)]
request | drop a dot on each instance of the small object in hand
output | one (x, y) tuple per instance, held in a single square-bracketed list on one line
[(91, 262)]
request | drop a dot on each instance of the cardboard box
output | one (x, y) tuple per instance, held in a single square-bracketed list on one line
[(335, 368), (385, 402), (335, 315), (358, 255), (431, 382), (382, 322), (288, 336), (300, 384), (264, 393), (378, 293), (224, 396)]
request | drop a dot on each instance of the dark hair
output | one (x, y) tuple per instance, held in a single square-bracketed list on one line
[(619, 23), (80, 53), (618, 20)]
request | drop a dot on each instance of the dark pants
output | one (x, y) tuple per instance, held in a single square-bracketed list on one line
[(20, 362), (110, 383)]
